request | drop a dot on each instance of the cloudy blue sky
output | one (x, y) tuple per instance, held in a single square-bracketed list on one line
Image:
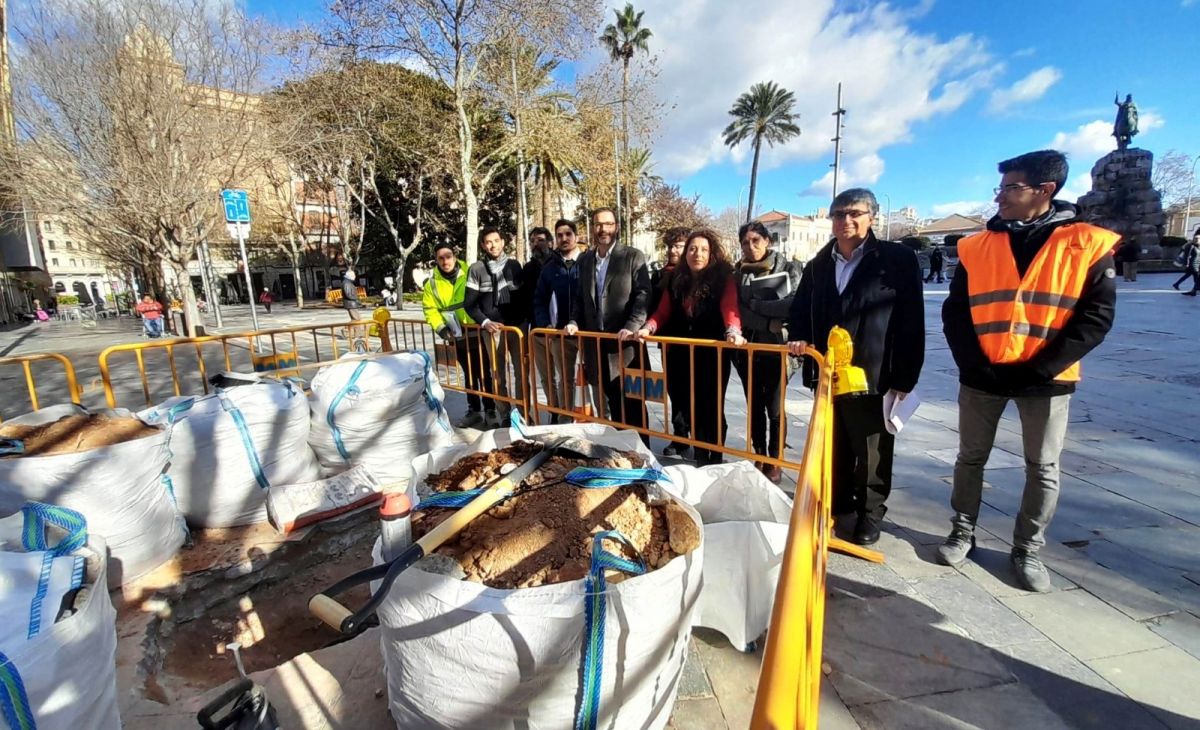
[(936, 91)]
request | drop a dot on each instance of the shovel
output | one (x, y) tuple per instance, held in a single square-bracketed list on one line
[(334, 614)]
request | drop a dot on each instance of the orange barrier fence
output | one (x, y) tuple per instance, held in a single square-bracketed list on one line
[(488, 365), (26, 363), (645, 390), (286, 351)]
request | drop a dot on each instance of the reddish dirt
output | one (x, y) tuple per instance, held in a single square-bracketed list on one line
[(72, 434), (543, 534), (271, 621)]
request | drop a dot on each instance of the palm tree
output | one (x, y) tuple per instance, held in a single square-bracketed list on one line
[(763, 112), (623, 39)]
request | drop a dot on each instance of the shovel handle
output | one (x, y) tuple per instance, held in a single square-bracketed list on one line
[(329, 611), (337, 616)]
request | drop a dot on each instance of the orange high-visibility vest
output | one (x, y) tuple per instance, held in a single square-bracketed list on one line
[(1016, 316)]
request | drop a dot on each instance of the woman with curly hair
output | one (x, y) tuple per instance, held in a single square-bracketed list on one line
[(701, 303)]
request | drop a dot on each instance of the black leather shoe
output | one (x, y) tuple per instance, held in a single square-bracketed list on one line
[(866, 532)]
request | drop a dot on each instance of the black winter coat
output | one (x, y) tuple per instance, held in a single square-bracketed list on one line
[(882, 307)]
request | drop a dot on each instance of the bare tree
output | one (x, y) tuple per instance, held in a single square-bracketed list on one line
[(133, 116), (450, 39), (1172, 177)]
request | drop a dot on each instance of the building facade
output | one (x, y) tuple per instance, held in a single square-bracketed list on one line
[(798, 237)]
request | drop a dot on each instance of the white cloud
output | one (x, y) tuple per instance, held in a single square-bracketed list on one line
[(1088, 143), (1031, 88), (854, 172), (961, 207), (710, 51)]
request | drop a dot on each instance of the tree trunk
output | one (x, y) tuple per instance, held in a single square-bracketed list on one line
[(401, 267), (626, 232), (191, 313), (296, 270), (753, 178)]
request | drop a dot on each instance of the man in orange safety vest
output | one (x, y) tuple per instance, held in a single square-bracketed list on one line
[(1032, 295)]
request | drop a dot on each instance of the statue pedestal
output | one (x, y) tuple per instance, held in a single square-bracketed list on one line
[(1124, 201)]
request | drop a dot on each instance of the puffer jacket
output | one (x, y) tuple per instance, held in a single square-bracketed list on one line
[(559, 279)]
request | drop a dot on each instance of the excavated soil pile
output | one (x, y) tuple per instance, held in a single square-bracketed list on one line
[(542, 535), (72, 434)]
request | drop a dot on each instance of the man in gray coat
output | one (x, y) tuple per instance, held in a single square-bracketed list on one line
[(614, 293)]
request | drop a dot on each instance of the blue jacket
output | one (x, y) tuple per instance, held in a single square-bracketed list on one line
[(559, 279)]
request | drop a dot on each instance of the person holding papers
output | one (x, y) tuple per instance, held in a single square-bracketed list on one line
[(872, 289)]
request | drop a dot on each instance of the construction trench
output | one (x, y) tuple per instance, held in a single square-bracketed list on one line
[(596, 529)]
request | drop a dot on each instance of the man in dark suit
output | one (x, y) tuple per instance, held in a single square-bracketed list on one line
[(614, 294), (872, 289)]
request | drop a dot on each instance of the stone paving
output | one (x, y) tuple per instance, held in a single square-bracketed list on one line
[(912, 644)]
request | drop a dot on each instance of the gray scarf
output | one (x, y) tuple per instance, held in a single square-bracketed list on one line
[(500, 283)]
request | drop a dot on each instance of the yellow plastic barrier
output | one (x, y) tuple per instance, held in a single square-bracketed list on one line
[(26, 361), (260, 351)]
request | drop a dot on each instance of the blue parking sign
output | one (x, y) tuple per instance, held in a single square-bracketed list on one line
[(237, 206)]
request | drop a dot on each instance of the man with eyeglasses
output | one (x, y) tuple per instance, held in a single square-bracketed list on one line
[(1032, 295), (871, 288)]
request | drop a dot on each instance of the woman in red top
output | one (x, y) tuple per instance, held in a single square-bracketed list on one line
[(702, 304)]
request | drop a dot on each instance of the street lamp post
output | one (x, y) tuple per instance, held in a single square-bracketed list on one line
[(888, 235)]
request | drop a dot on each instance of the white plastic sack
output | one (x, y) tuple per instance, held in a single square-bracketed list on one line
[(462, 655), (381, 413), (122, 490), (745, 532), (228, 448), (67, 671)]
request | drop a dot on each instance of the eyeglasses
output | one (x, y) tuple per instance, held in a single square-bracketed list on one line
[(840, 214), (1013, 187)]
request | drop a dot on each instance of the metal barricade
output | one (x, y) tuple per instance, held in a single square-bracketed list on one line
[(639, 381), (26, 363), (311, 346), (489, 365)]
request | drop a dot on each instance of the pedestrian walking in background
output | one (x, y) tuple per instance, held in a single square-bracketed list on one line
[(494, 299), (937, 261), (1032, 295), (1129, 254), (701, 303), (1191, 265), (266, 298), (872, 289), (679, 395), (442, 303), (766, 283), (350, 301), (556, 288), (151, 312), (614, 291)]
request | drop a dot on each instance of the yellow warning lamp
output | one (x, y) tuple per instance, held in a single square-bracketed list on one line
[(848, 379), (381, 316)]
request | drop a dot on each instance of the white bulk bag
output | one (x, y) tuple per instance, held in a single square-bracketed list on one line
[(462, 655), (65, 671), (122, 490), (228, 448), (380, 412), (745, 531)]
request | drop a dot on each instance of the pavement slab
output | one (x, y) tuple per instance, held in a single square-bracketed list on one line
[(991, 708), (1084, 625), (1074, 690), (1163, 680)]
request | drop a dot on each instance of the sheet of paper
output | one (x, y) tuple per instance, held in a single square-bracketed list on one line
[(896, 412)]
